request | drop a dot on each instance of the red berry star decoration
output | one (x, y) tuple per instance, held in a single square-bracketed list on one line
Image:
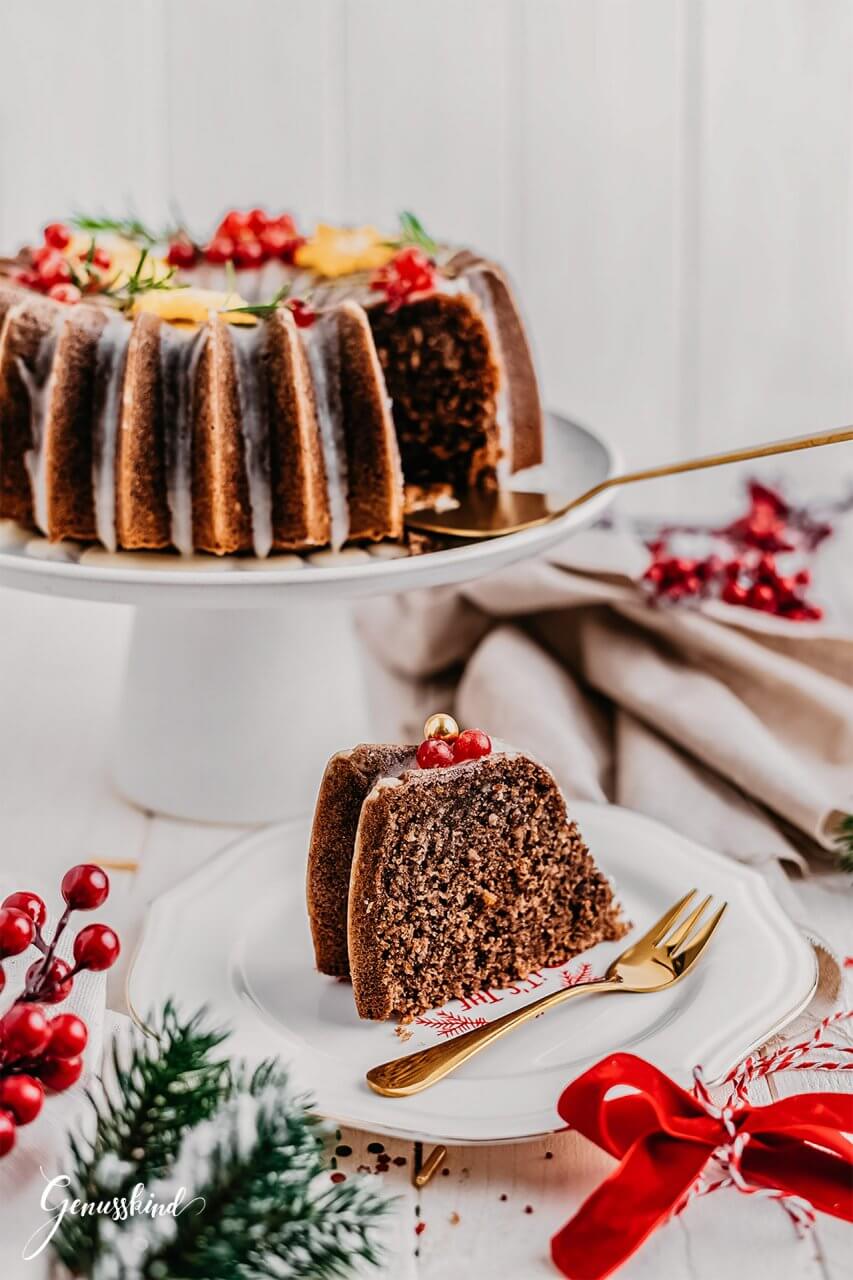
[(39, 1053), (749, 576)]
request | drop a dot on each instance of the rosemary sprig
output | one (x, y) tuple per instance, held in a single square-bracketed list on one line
[(412, 232), (129, 228), (263, 310), (123, 292)]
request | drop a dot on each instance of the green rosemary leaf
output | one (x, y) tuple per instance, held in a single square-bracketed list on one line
[(412, 232), (263, 310), (130, 228)]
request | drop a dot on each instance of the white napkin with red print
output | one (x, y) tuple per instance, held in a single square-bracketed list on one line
[(731, 726)]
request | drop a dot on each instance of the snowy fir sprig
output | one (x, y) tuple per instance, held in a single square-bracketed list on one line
[(239, 1150)]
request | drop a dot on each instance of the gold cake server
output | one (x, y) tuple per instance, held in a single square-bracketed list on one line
[(663, 955), (491, 515)]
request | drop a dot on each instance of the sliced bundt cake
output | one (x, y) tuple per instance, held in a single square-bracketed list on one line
[(142, 410), (438, 872)]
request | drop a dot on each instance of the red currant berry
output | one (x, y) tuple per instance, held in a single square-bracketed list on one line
[(96, 947), (302, 313), (248, 253), (57, 235), (67, 293), (733, 569), (53, 269), (803, 578), (16, 931), (85, 887), (55, 985), (235, 224), (256, 220), (734, 593), (68, 1036), (29, 279), (434, 753), (762, 596), (59, 1074), (23, 1031), (471, 745), (220, 249), (23, 1096), (181, 254), (31, 905), (7, 1132), (275, 241)]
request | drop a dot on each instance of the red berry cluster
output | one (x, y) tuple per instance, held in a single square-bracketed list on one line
[(247, 239), (38, 1053), (50, 271), (409, 274), (439, 753), (750, 577)]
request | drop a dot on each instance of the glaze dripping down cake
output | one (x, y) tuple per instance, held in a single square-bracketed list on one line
[(263, 392), (435, 876)]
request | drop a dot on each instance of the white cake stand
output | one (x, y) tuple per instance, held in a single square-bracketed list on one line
[(243, 676)]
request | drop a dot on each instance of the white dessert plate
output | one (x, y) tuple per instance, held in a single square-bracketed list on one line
[(247, 955)]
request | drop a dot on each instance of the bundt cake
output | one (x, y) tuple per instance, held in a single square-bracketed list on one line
[(262, 392), (439, 871)]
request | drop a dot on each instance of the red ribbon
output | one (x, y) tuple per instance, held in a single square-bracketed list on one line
[(664, 1137)]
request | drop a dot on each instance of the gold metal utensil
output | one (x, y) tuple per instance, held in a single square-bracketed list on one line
[(662, 956), (491, 515)]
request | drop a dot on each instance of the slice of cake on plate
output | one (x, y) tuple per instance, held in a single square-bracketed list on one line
[(441, 870)]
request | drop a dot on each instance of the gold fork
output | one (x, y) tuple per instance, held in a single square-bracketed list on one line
[(655, 961)]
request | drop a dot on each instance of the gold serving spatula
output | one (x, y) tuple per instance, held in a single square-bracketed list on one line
[(491, 515)]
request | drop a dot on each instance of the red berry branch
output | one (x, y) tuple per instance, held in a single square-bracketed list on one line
[(745, 569), (40, 1053)]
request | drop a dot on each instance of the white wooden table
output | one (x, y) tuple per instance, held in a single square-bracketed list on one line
[(492, 1210)]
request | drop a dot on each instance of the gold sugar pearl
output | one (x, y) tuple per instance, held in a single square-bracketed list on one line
[(441, 725)]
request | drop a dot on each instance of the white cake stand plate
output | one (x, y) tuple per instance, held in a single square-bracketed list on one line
[(244, 675)]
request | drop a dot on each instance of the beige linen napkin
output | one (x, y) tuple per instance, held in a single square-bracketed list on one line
[(731, 726)]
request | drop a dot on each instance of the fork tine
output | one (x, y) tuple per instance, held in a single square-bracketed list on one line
[(660, 927), (674, 941), (690, 954)]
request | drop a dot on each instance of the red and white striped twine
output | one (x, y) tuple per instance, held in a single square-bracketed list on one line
[(726, 1159)]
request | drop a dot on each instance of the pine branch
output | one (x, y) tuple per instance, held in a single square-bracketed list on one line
[(844, 843), (236, 1150), (263, 1208), (165, 1085)]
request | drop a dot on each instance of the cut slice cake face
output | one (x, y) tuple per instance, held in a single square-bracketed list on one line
[(452, 880)]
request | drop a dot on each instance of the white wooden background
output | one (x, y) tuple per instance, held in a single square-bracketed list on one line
[(670, 182)]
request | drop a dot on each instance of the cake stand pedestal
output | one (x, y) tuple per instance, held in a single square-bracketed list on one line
[(243, 678)]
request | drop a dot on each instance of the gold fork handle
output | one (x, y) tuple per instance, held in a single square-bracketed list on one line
[(418, 1071), (791, 444)]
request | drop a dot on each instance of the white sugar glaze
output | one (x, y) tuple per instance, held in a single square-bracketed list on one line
[(322, 342), (110, 360), (39, 384), (179, 357), (247, 345)]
